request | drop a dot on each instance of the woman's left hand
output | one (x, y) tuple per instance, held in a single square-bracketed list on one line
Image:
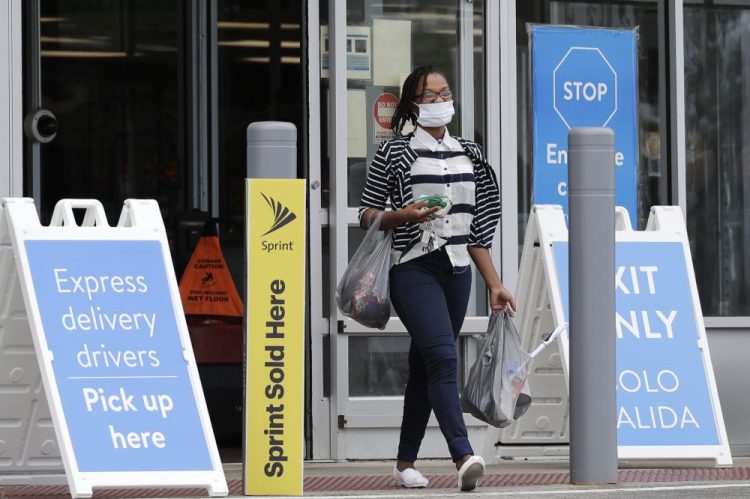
[(500, 298)]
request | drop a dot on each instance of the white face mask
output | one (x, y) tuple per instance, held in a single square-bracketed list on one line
[(435, 114)]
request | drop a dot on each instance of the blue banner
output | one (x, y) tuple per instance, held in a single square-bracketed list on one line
[(583, 77), (662, 389), (110, 324)]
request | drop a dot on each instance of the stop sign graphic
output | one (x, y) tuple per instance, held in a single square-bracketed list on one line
[(584, 88), (583, 77)]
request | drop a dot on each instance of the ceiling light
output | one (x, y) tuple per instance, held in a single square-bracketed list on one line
[(264, 60), (70, 40), (240, 25), (92, 54), (245, 43)]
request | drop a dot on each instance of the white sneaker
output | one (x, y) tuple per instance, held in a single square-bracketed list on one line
[(409, 478), (470, 472)]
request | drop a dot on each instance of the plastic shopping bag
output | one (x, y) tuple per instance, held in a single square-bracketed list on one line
[(362, 293), (496, 390)]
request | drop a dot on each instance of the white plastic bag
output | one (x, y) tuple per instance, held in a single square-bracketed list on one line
[(362, 293)]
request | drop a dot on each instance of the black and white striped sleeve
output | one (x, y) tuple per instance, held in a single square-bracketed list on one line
[(378, 183), (486, 205)]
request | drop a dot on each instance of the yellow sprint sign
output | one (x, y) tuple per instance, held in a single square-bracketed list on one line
[(274, 364)]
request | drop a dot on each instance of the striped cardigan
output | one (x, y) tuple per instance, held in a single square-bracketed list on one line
[(389, 177)]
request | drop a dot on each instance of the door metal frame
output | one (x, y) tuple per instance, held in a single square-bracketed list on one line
[(501, 64), (11, 92), (212, 80), (197, 111), (33, 92), (677, 103), (319, 333), (466, 67), (337, 211)]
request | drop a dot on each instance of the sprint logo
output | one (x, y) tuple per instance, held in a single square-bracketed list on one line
[(281, 214)]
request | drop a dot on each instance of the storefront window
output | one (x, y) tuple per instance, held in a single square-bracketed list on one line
[(652, 186), (717, 133)]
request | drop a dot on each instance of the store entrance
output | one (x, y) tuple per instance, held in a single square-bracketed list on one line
[(367, 369), (150, 99)]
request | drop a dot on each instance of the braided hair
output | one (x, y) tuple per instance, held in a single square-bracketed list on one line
[(404, 112)]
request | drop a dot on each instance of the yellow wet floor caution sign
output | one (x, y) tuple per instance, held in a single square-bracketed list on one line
[(274, 365)]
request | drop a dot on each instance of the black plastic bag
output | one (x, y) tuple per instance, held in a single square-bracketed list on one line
[(496, 390)]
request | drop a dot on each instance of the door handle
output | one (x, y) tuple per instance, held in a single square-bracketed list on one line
[(41, 126)]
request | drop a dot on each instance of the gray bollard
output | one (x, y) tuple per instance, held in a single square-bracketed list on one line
[(593, 403), (271, 150)]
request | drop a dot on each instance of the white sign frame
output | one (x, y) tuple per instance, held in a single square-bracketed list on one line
[(546, 226), (140, 220)]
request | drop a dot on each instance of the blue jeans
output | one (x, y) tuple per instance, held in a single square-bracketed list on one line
[(431, 301)]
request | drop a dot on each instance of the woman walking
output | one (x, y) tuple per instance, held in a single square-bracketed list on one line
[(431, 279)]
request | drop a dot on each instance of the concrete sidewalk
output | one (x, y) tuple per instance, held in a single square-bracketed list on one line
[(517, 477), (528, 477)]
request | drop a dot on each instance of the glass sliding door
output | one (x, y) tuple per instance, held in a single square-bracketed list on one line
[(253, 72), (383, 43), (257, 76), (152, 99), (112, 73)]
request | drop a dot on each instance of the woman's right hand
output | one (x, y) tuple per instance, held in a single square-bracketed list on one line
[(418, 212), (412, 214)]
